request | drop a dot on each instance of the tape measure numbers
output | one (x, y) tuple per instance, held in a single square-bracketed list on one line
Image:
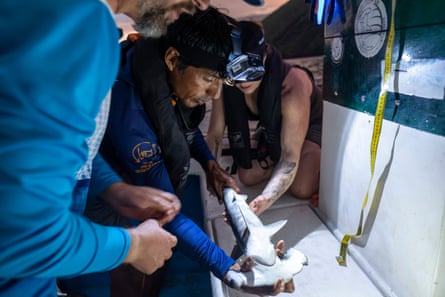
[(378, 120)]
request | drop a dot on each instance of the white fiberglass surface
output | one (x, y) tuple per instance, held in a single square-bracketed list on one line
[(323, 277)]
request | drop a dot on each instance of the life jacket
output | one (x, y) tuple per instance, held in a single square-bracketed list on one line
[(173, 123), (269, 111)]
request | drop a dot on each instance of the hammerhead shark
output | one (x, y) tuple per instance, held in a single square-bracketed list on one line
[(254, 240)]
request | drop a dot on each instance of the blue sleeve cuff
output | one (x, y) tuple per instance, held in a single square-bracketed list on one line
[(102, 176), (113, 244)]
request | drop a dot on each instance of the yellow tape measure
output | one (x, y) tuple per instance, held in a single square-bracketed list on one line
[(378, 119)]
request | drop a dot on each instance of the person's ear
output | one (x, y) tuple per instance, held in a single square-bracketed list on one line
[(171, 58)]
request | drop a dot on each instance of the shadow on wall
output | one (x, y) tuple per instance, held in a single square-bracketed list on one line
[(290, 30)]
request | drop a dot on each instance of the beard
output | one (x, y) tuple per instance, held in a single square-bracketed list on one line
[(152, 21)]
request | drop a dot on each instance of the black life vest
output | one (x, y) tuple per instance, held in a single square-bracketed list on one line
[(269, 111), (173, 123)]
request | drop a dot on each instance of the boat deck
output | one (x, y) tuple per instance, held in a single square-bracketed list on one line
[(323, 277)]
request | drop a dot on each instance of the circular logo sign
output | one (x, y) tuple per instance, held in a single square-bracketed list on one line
[(371, 24)]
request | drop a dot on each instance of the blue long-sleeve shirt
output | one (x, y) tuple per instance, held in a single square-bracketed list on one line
[(103, 176), (58, 60)]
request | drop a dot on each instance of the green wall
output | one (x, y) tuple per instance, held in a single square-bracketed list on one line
[(354, 54)]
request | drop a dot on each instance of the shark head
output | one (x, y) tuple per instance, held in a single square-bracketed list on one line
[(295, 259), (262, 278)]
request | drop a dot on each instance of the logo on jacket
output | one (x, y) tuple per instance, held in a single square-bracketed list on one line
[(146, 154)]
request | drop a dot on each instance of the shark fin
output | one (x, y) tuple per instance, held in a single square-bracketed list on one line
[(275, 227), (236, 195)]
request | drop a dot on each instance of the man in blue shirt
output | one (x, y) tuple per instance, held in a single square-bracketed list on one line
[(58, 61)]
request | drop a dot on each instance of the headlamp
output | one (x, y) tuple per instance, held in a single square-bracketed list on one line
[(246, 67), (243, 67)]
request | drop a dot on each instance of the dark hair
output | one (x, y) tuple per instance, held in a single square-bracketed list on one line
[(252, 38), (202, 39)]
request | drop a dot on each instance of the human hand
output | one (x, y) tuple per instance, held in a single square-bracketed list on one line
[(218, 179), (260, 204), (150, 246), (142, 203), (274, 290)]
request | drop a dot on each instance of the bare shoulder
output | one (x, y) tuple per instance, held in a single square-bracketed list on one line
[(297, 84)]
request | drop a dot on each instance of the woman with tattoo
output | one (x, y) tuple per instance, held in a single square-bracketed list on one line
[(283, 99)]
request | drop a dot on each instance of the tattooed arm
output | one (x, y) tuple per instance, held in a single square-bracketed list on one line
[(295, 109), (281, 179)]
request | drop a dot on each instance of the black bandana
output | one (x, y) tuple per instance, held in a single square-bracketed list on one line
[(198, 58)]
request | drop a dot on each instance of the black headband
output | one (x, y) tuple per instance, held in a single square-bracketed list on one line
[(198, 58)]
